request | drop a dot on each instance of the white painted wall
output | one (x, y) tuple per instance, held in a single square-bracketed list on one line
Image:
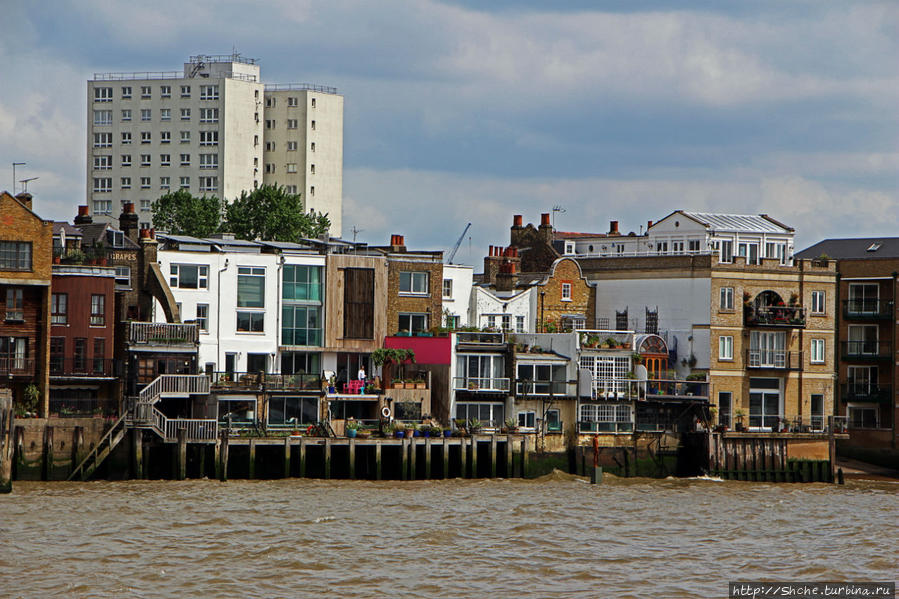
[(459, 302), (485, 303)]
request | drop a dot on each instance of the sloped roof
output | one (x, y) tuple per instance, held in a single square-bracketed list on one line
[(59, 226), (575, 235), (853, 249), (755, 223)]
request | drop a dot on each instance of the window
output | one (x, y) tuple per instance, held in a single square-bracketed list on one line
[(313, 102), (145, 137), (185, 159), (189, 276), (292, 189), (145, 205), (59, 308), (291, 123), (165, 91), (126, 182), (606, 418), (662, 247), (209, 183), (102, 140), (767, 349), (165, 182), (146, 114), (413, 322), (250, 322), (312, 147), (145, 182), (185, 91), (209, 160), (817, 351), (185, 114), (102, 206), (209, 138), (693, 245), (123, 277), (57, 353), (727, 251), (102, 184), (14, 352), (269, 168), (99, 354), (750, 251), (185, 182), (145, 91), (725, 347), (302, 325), (269, 102), (209, 115), (126, 92), (165, 160), (414, 282), (292, 102), (209, 92), (724, 407), (481, 372), (519, 324), (312, 125), (203, 317), (540, 379), (145, 160), (291, 167), (269, 124), (15, 307), (79, 354), (269, 146), (818, 302), (104, 94), (165, 137), (255, 140), (526, 420), (727, 298), (610, 374), (621, 320), (296, 412), (312, 169), (447, 288), (489, 414), (864, 298), (291, 146), (126, 138), (98, 310), (566, 292), (102, 163), (165, 114), (185, 137), (251, 287), (126, 115), (126, 159), (358, 303)]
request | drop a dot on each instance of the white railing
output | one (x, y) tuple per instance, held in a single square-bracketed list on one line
[(197, 430), (481, 383), (174, 384), (162, 333)]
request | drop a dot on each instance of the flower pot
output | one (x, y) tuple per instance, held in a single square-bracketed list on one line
[(400, 434), (426, 433), (397, 385), (409, 385), (420, 386), (447, 433), (351, 433), (332, 390), (416, 433)]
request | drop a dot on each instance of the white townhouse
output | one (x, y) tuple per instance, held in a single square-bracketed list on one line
[(513, 311), (457, 286)]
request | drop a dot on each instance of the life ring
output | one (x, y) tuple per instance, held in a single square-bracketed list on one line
[(385, 412)]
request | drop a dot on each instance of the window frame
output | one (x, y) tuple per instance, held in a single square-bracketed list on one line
[(59, 308), (98, 310), (411, 276), (726, 299), (175, 275), (818, 351), (726, 348)]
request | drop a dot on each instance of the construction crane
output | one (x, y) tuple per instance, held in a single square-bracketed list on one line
[(455, 249)]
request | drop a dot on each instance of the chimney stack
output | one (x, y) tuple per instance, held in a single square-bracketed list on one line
[(25, 199), (544, 219), (397, 243), (648, 225), (128, 222), (613, 227), (516, 221), (84, 215)]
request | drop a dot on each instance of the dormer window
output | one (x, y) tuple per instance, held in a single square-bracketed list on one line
[(115, 238)]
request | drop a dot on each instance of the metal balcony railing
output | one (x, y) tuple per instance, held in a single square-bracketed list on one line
[(489, 384), (162, 333), (528, 387), (589, 426), (774, 316), (867, 309), (15, 366), (666, 389), (82, 367), (480, 337), (866, 392), (269, 382), (865, 350), (774, 358)]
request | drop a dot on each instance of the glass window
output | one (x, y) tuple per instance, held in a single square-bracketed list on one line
[(301, 325), (15, 308), (727, 298), (724, 408), (818, 302), (566, 291), (250, 287), (250, 322), (59, 308), (15, 255), (817, 351), (412, 322), (123, 277), (203, 317), (725, 347), (414, 282), (447, 288), (301, 283), (189, 276), (98, 310)]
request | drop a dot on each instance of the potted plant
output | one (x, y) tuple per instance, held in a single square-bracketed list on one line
[(436, 431), (352, 428), (420, 383), (511, 425), (738, 424), (474, 426), (398, 429), (409, 384), (31, 395)]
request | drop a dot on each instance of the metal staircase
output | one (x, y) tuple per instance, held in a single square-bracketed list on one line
[(144, 413)]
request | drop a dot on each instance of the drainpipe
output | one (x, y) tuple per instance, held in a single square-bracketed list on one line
[(218, 317), (278, 302)]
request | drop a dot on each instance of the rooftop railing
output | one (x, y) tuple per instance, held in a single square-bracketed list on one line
[(278, 87), (480, 337), (162, 333)]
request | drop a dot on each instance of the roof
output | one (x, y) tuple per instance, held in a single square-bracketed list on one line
[(574, 235), (71, 231), (94, 232), (853, 249), (755, 223)]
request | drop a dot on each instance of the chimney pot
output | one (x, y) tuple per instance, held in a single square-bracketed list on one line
[(83, 210), (544, 219), (145, 233), (648, 224), (84, 216), (613, 227), (128, 207), (516, 220)]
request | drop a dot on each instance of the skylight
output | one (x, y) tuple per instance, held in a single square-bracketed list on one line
[(875, 246)]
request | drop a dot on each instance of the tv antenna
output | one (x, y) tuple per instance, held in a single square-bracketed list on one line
[(558, 209), (356, 232), (24, 183), (14, 165)]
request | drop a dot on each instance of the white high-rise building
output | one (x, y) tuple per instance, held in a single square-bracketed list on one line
[(212, 129)]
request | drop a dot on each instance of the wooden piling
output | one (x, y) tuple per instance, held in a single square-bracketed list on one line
[(413, 456), (182, 453), (351, 465), (445, 459), (378, 460), (47, 462), (525, 457), (137, 455), (493, 456), (224, 463), (77, 445), (7, 431), (327, 464), (19, 444), (404, 451), (202, 459), (303, 457), (251, 466), (474, 456), (218, 459), (509, 467), (286, 457), (428, 458)]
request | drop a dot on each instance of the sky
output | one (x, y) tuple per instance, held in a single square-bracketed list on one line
[(472, 111)]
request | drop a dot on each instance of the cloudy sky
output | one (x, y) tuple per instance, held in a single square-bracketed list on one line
[(457, 113)]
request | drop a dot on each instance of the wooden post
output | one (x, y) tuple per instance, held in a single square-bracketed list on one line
[(463, 457), (352, 459), (251, 466), (509, 456), (77, 444), (303, 457), (328, 458), (287, 457), (428, 458), (445, 459), (525, 457), (474, 456), (6, 443), (404, 448), (516, 460), (378, 460), (137, 455), (47, 465), (413, 455), (493, 456), (218, 458), (182, 453), (19, 445), (224, 470), (202, 448)]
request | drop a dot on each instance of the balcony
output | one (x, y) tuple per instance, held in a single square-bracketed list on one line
[(163, 334), (481, 384), (528, 388), (674, 389), (255, 381), (866, 392), (14, 366), (865, 351), (481, 339), (775, 359), (867, 309), (82, 367), (792, 317)]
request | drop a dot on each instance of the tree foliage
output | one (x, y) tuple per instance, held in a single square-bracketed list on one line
[(272, 214), (181, 213)]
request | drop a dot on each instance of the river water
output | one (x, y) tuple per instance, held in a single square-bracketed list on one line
[(552, 537)]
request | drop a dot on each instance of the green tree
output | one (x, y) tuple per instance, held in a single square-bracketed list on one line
[(181, 213), (272, 214)]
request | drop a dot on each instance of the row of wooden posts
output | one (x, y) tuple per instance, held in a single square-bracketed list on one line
[(515, 448)]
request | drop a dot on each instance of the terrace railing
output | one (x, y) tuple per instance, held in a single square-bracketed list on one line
[(775, 316), (866, 392), (774, 358), (480, 337), (867, 309), (162, 333), (15, 366), (270, 382), (865, 350), (488, 384), (82, 367)]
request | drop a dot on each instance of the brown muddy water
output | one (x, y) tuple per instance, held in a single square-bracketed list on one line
[(552, 537)]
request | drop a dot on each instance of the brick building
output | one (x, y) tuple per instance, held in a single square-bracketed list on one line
[(414, 288)]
